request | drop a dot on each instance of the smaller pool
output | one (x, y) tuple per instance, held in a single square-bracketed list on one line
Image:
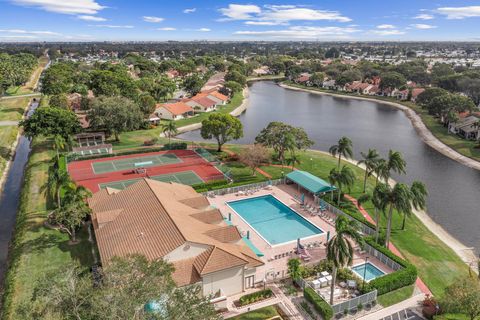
[(369, 270)]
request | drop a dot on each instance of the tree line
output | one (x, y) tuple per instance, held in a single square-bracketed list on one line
[(15, 69)]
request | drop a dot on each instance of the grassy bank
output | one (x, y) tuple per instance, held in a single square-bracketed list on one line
[(13, 109), (36, 248), (467, 148), (8, 135), (134, 139), (396, 296), (259, 314)]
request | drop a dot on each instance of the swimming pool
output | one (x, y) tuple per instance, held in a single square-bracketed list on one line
[(369, 270), (274, 221)]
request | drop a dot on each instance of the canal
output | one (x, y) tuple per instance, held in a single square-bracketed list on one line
[(454, 190), (10, 197)]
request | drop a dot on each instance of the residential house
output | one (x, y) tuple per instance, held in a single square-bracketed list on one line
[(262, 71), (304, 79), (171, 111), (329, 84), (74, 101), (201, 103), (415, 93), (467, 127), (402, 94), (173, 222), (214, 95)]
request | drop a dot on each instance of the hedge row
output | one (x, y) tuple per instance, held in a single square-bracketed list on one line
[(255, 296), (320, 305), (396, 280), (168, 146)]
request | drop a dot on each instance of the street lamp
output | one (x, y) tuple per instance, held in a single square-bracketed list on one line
[(365, 272)]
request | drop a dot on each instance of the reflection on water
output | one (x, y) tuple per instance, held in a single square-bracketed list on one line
[(454, 200)]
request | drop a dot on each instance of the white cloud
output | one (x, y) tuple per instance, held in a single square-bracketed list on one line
[(111, 26), (422, 26), (264, 23), (424, 16), (166, 29), (21, 31), (191, 10), (291, 14), (240, 11), (91, 18), (63, 6), (388, 32), (203, 30), (279, 13), (303, 32), (386, 26), (459, 12), (152, 19), (18, 37)]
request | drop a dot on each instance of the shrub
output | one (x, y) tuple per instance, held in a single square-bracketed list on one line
[(307, 309), (255, 296), (398, 279), (150, 142), (175, 146), (320, 305)]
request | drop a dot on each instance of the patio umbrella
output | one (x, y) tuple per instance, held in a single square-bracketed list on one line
[(303, 198)]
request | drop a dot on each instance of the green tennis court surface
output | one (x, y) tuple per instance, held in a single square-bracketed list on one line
[(184, 177), (205, 154), (129, 163)]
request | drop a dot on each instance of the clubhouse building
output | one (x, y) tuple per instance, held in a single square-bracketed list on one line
[(173, 222)]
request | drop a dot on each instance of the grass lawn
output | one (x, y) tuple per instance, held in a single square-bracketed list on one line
[(8, 134), (260, 314), (13, 109), (393, 297), (134, 139), (451, 316), (38, 249), (437, 264)]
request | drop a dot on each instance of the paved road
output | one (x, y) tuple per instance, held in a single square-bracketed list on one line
[(8, 123), (35, 94)]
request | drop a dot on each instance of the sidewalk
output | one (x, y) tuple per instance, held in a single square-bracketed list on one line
[(409, 303)]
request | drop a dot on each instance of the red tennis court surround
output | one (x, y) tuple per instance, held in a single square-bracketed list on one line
[(82, 171)]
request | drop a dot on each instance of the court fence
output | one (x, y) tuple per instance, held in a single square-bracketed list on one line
[(236, 189), (364, 228), (352, 304)]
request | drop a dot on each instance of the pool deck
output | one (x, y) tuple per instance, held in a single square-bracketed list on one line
[(276, 256)]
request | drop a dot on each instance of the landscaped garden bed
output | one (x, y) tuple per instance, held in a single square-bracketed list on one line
[(254, 297)]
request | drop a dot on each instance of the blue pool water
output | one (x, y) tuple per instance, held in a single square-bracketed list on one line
[(273, 220), (371, 272)]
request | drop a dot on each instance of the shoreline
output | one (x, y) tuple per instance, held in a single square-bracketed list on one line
[(465, 253), (425, 134)]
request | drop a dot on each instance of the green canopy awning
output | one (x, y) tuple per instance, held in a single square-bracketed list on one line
[(310, 182)]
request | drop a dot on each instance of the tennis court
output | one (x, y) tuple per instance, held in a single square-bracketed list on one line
[(134, 162), (183, 177)]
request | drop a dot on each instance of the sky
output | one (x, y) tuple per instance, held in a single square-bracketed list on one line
[(294, 20)]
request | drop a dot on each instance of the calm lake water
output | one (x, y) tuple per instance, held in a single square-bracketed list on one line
[(454, 199)]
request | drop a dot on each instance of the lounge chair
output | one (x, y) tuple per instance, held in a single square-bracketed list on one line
[(351, 284)]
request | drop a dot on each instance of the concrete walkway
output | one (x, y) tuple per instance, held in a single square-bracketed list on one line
[(385, 312), (8, 123), (35, 94)]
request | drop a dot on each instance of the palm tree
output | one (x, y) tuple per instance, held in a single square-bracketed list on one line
[(395, 163), (339, 248), (370, 160), (76, 193), (57, 179), (293, 160), (58, 144), (333, 178), (294, 268), (343, 148), (381, 171), (345, 178), (169, 128), (399, 198), (419, 193)]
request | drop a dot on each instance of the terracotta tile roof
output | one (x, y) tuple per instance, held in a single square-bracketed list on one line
[(198, 202), (176, 108), (211, 216), (216, 94), (153, 218), (417, 91), (225, 234), (204, 101), (185, 273)]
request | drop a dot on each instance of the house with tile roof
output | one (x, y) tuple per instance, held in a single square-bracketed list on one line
[(201, 103), (173, 222), (172, 111)]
